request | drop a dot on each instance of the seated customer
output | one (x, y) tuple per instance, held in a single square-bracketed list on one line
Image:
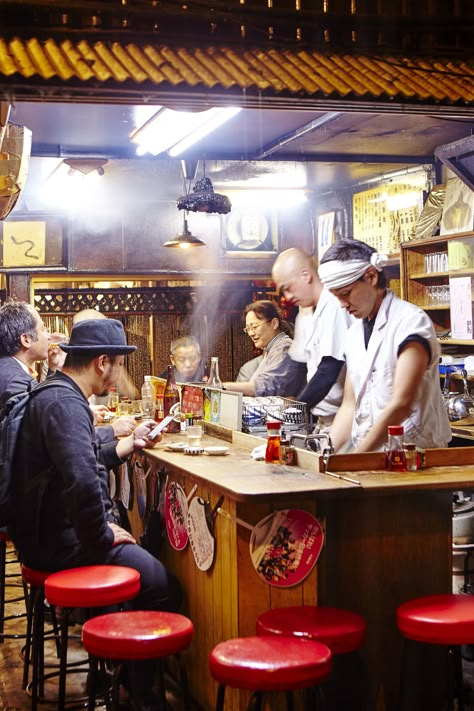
[(185, 356), (62, 510), (265, 325), (24, 339)]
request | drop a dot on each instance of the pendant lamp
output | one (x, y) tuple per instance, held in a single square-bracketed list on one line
[(185, 239)]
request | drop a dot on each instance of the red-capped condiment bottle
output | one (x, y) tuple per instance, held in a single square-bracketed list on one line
[(396, 459), (272, 452)]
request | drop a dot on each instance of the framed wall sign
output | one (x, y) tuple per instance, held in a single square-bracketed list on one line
[(250, 230), (32, 243)]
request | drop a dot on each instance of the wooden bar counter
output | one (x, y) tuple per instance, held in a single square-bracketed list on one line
[(387, 539)]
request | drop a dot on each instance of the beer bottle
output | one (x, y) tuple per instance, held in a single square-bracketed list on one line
[(170, 398)]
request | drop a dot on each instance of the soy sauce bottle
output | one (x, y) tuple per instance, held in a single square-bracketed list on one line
[(272, 452), (396, 458)]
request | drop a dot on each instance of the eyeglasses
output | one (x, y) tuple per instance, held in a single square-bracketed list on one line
[(251, 328)]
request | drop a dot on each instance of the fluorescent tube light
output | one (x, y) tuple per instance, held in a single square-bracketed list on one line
[(175, 131)]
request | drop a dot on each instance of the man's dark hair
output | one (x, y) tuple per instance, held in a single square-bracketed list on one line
[(345, 250), (79, 361), (16, 319)]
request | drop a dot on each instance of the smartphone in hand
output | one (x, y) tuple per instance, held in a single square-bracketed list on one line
[(160, 427)]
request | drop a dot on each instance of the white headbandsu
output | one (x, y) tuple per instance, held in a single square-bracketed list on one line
[(337, 273)]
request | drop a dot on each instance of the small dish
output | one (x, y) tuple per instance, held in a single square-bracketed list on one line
[(176, 446), (216, 451)]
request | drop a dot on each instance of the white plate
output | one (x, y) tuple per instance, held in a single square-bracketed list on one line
[(216, 451), (176, 446)]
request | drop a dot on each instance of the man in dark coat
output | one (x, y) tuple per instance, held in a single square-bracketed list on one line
[(61, 501), (24, 339)]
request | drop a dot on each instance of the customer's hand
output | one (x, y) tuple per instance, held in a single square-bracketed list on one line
[(123, 425), (99, 412), (137, 439), (121, 535), (140, 438)]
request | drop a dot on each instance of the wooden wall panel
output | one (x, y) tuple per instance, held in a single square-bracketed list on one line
[(96, 244)]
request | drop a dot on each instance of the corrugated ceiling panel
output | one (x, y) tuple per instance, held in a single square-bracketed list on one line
[(274, 71)]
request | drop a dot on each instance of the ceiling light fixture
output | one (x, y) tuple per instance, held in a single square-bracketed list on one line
[(176, 131), (185, 239), (86, 165)]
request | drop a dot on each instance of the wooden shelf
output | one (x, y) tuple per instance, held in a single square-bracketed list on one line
[(416, 283), (433, 275), (434, 307), (456, 341)]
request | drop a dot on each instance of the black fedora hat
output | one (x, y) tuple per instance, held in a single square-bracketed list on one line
[(98, 336)]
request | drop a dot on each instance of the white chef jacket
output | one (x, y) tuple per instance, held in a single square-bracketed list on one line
[(321, 333), (371, 372)]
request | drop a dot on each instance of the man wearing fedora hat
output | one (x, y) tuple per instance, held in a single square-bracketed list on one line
[(67, 521)]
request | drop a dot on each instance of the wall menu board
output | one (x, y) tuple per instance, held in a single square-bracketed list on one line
[(387, 215)]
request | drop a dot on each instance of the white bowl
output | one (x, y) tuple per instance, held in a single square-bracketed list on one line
[(216, 451)]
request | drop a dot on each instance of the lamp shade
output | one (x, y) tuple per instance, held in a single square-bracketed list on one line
[(204, 199), (185, 239)]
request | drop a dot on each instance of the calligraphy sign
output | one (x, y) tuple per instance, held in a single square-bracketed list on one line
[(24, 244)]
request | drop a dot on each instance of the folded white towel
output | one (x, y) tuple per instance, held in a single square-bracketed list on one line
[(258, 452)]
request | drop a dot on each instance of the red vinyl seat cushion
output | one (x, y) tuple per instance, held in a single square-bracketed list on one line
[(92, 586), (269, 663), (34, 577), (138, 634), (341, 630), (438, 619)]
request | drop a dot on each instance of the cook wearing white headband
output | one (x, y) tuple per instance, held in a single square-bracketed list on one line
[(336, 273), (392, 356)]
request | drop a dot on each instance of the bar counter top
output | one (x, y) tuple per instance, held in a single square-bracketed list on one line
[(243, 478)]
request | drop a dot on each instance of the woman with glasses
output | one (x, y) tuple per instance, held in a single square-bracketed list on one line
[(270, 333)]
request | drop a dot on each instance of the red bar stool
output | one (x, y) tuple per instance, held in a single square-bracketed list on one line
[(5, 582), (446, 620), (343, 631), (93, 586), (33, 652), (120, 637), (267, 663)]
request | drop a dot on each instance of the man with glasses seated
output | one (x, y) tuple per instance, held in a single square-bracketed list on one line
[(185, 356), (270, 333)]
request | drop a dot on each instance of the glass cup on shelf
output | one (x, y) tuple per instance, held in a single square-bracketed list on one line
[(428, 263)]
